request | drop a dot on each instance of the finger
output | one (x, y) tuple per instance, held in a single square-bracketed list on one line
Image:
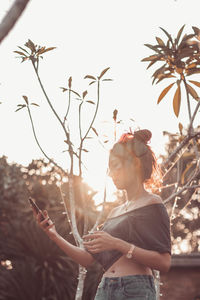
[(90, 236), (50, 226), (89, 243), (45, 222)]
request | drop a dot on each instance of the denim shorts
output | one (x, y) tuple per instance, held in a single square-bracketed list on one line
[(135, 287)]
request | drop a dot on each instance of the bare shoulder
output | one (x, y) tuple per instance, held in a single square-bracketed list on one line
[(153, 199)]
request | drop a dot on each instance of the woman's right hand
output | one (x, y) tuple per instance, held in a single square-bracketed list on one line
[(46, 225)]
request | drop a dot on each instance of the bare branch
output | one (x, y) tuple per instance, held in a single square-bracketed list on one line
[(11, 17), (181, 145)]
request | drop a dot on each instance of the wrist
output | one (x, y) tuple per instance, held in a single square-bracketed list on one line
[(122, 246), (53, 236)]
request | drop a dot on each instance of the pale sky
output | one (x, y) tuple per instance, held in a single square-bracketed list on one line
[(90, 35)]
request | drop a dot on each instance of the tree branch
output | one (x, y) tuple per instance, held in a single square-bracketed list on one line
[(11, 17)]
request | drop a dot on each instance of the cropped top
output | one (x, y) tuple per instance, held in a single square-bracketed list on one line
[(147, 227)]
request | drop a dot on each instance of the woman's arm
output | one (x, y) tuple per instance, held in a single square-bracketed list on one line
[(103, 241), (77, 254)]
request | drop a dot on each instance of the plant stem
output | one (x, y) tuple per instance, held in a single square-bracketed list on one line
[(36, 139)]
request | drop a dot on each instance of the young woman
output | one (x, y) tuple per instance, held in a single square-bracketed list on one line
[(135, 238)]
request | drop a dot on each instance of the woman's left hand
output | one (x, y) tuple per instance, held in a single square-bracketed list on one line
[(99, 241)]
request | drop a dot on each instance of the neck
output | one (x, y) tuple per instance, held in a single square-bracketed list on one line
[(133, 193)]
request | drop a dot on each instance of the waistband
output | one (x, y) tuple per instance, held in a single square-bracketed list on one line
[(148, 279)]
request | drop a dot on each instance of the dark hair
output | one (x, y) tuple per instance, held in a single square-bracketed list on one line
[(136, 143)]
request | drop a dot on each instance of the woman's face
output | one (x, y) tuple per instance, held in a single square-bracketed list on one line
[(122, 167)]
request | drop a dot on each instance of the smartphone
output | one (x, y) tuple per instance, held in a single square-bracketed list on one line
[(37, 209)]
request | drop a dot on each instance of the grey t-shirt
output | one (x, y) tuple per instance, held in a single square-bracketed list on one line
[(147, 227)]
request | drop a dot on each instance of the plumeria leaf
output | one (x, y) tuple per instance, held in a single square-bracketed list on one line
[(84, 94), (34, 104), (179, 34), (95, 131), (180, 126), (177, 100), (107, 79), (192, 92), (195, 82), (160, 41), (20, 53), (70, 82), (64, 89), (153, 48), (89, 101), (23, 49), (167, 34), (77, 94), (90, 77), (164, 92), (26, 99), (103, 72), (20, 108), (92, 82)]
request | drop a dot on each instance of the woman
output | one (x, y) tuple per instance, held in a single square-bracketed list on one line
[(135, 239)]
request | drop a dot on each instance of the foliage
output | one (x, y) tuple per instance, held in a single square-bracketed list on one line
[(185, 223), (40, 270), (181, 59)]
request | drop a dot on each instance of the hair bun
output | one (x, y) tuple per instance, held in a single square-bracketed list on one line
[(143, 135)]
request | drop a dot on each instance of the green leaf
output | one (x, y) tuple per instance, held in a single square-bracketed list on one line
[(160, 41), (164, 92), (90, 77), (179, 34), (192, 92), (103, 72), (167, 34), (195, 82), (26, 99), (177, 100)]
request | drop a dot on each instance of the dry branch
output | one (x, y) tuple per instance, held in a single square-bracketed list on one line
[(11, 17)]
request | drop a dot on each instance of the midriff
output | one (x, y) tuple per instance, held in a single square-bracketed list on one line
[(124, 267)]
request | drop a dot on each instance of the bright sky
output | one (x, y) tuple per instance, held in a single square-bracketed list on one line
[(90, 35)]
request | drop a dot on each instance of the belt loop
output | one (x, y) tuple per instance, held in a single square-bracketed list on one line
[(121, 282)]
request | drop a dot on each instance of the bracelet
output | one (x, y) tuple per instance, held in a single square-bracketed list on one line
[(130, 252)]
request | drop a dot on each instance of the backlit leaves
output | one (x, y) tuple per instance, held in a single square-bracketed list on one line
[(103, 72), (33, 51), (192, 92), (164, 92), (177, 100), (181, 58)]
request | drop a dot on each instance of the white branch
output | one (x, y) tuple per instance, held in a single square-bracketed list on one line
[(11, 17)]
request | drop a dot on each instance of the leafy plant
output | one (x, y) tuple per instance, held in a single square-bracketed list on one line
[(181, 59)]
